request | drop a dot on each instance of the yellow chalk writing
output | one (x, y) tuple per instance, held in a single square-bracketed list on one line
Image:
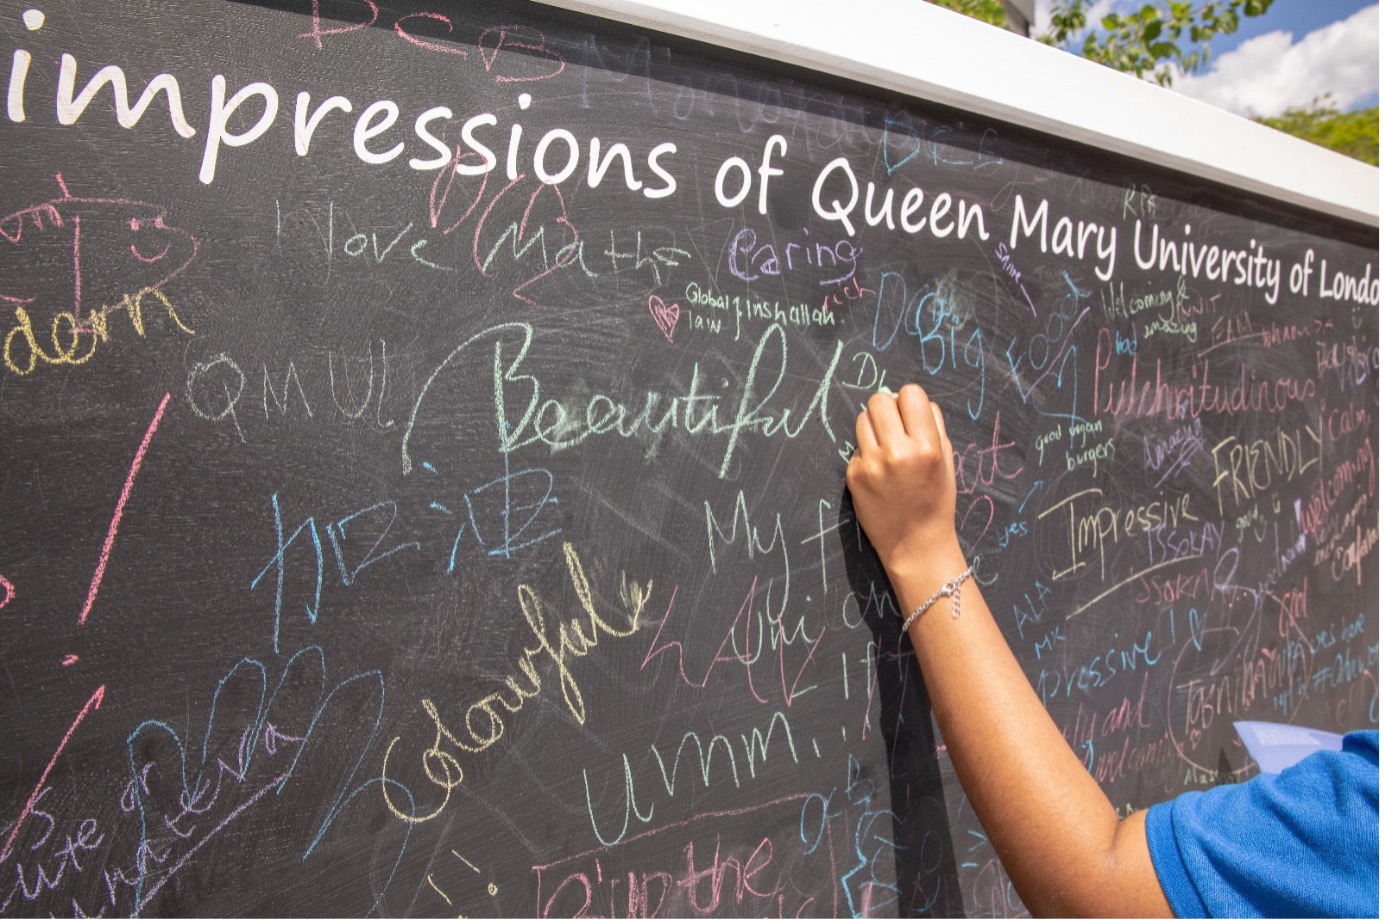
[(483, 722)]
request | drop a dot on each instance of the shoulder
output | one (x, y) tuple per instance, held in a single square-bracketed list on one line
[(1363, 744), (1301, 843)]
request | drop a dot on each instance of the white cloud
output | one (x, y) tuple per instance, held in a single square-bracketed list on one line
[(1269, 73)]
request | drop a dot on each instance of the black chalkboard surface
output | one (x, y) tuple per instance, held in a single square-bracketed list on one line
[(423, 432)]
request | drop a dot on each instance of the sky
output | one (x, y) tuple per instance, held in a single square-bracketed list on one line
[(1296, 52)]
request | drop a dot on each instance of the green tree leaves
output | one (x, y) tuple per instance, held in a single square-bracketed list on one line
[(1155, 40), (1162, 38), (991, 11), (1355, 134)]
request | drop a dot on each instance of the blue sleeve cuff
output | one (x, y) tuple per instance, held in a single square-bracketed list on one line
[(1168, 865)]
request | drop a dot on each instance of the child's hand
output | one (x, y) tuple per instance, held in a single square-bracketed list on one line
[(903, 484)]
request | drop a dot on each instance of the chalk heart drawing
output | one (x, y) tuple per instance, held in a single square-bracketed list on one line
[(665, 315)]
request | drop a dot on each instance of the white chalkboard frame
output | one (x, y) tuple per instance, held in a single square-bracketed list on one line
[(931, 53)]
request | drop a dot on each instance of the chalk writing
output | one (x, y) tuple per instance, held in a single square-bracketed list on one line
[(507, 360)]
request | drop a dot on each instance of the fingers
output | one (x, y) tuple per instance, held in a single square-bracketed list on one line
[(947, 452), (865, 434), (910, 415), (916, 414), (941, 423), (884, 417)]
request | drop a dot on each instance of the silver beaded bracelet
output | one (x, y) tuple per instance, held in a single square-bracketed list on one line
[(951, 587)]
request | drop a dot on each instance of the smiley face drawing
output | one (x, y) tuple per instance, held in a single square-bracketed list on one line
[(69, 263)]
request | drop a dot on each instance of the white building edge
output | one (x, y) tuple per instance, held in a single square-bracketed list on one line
[(924, 51)]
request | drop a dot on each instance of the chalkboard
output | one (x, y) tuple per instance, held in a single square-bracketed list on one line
[(424, 429)]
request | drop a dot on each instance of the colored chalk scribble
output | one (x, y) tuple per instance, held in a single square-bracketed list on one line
[(70, 265)]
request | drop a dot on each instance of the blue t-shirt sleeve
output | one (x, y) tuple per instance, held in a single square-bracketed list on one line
[(1303, 843)]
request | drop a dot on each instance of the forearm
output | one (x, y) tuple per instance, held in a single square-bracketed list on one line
[(1051, 824)]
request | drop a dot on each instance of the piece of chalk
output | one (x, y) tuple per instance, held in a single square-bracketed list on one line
[(884, 389)]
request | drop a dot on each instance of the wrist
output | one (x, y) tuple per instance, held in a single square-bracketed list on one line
[(918, 572)]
